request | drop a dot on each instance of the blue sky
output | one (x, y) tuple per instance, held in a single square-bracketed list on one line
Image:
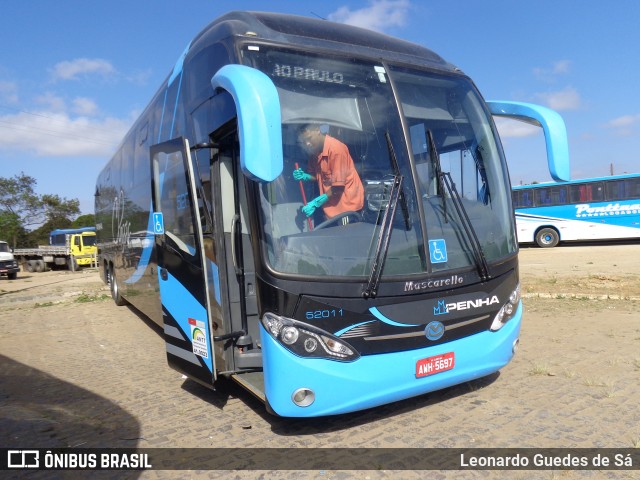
[(75, 74)]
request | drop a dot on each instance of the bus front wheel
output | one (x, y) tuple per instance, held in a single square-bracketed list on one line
[(547, 238)]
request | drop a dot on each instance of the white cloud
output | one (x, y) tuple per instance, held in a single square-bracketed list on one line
[(8, 92), (84, 106), (51, 102), (56, 134), (561, 100), (81, 67), (140, 77), (560, 67), (379, 15), (624, 121), (624, 126)]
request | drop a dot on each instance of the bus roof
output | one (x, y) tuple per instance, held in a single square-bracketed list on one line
[(583, 180), (315, 33)]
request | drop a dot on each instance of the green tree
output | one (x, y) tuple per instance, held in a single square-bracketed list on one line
[(58, 209), (40, 236), (10, 228), (88, 220), (21, 208)]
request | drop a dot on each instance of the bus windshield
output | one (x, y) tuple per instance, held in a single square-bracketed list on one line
[(354, 103)]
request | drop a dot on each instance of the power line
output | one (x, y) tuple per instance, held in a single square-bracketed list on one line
[(54, 133), (48, 117)]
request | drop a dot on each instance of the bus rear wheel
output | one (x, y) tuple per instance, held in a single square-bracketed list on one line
[(547, 237), (115, 289)]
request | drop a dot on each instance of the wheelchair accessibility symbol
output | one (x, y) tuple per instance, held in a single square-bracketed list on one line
[(158, 223), (438, 251)]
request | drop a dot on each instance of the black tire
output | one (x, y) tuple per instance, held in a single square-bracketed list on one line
[(115, 289), (547, 237), (13, 276)]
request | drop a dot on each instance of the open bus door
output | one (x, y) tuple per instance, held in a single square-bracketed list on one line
[(181, 262)]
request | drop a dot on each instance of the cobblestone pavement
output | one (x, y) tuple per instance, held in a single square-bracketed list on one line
[(78, 371)]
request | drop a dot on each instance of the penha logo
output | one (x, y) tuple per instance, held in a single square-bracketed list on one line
[(443, 308)]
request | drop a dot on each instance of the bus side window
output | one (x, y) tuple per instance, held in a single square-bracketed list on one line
[(581, 193), (597, 192), (623, 189), (522, 199), (559, 195), (542, 197), (615, 190)]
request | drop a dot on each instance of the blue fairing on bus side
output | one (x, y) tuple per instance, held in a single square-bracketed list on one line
[(259, 119), (182, 306), (373, 380)]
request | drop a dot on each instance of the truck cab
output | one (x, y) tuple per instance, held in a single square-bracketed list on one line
[(81, 243), (8, 264)]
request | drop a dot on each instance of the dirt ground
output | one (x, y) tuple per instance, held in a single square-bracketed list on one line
[(593, 271), (75, 370)]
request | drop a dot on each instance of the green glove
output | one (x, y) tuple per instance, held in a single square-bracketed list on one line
[(317, 202), (300, 174)]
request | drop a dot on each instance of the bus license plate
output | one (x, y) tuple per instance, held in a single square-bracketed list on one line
[(436, 364)]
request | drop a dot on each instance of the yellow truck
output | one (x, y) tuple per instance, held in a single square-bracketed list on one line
[(72, 247)]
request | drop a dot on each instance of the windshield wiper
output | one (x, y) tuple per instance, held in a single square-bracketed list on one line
[(386, 226), (382, 247), (444, 181), (436, 166), (396, 171)]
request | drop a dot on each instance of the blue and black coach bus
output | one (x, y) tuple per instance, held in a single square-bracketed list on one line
[(200, 224)]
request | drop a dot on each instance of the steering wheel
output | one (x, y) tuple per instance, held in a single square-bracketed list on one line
[(338, 217)]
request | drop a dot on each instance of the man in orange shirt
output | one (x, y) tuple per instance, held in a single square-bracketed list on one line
[(332, 167)]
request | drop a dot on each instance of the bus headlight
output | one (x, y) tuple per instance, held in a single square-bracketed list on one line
[(507, 311), (306, 340)]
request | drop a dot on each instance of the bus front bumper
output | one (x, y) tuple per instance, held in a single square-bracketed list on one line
[(373, 380)]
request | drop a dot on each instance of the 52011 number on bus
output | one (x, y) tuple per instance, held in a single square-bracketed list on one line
[(318, 314)]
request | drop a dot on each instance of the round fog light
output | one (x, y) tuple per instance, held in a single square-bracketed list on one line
[(289, 335), (303, 397), (310, 345)]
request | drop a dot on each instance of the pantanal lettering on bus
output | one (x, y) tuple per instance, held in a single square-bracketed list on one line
[(586, 210)]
